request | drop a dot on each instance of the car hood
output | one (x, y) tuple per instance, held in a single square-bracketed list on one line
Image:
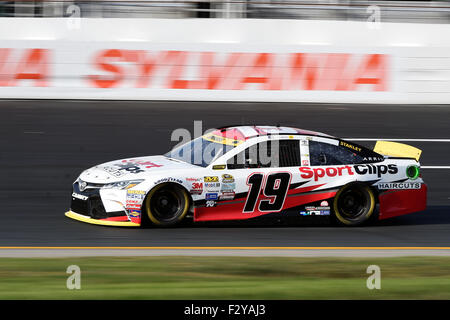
[(133, 168)]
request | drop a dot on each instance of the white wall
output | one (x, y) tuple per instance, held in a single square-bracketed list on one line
[(215, 59)]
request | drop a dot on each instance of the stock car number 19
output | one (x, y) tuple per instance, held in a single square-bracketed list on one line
[(273, 186)]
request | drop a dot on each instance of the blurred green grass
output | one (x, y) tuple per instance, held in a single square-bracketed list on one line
[(225, 278)]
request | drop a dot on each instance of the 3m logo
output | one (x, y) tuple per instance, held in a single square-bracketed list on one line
[(197, 185), (240, 71)]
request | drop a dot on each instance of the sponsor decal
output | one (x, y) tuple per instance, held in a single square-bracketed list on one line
[(136, 194), (228, 186), (350, 146), (317, 211), (322, 210), (313, 212), (133, 204), (223, 140), (305, 163), (79, 196), (227, 178), (212, 196), (115, 171), (227, 195), (212, 186), (134, 213), (308, 173), (362, 169), (373, 159), (211, 179), (192, 179), (219, 167), (210, 204), (197, 188), (209, 70), (400, 186), (169, 179), (379, 169), (147, 164), (303, 142), (134, 199), (122, 169), (317, 208)]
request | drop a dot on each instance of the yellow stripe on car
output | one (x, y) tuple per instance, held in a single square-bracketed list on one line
[(79, 217), (223, 140)]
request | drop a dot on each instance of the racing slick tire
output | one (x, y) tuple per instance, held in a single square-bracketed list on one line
[(354, 205), (166, 204)]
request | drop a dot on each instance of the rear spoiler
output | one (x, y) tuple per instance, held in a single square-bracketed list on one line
[(395, 149)]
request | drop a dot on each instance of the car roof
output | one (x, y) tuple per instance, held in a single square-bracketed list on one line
[(247, 132)]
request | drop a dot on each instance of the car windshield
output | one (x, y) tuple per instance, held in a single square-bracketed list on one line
[(201, 151)]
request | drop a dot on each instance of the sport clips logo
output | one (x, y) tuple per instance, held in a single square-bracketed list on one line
[(362, 169)]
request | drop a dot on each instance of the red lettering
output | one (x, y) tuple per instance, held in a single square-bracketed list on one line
[(304, 71), (5, 69), (34, 66), (233, 71), (307, 172), (333, 76), (146, 65), (103, 62), (177, 61), (259, 71), (350, 170), (331, 172), (318, 173), (212, 75), (373, 70)]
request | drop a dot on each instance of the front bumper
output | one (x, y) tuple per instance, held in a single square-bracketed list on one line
[(88, 206)]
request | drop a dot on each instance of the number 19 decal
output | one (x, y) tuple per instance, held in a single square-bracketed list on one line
[(275, 187)]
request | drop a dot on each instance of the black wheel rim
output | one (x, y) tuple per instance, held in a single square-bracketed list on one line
[(166, 204), (353, 203)]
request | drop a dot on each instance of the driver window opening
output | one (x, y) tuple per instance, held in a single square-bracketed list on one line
[(268, 154)]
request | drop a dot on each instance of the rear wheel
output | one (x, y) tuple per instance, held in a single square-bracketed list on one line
[(354, 204), (166, 204)]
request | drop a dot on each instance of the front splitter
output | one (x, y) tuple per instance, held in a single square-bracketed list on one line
[(82, 218)]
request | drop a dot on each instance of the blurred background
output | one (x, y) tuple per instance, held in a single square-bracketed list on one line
[(69, 85), (343, 10)]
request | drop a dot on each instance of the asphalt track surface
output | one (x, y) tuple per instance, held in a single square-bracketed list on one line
[(44, 145)]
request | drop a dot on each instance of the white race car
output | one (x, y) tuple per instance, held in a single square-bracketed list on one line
[(243, 172)]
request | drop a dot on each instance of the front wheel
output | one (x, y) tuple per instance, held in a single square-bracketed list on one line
[(354, 204), (166, 204)]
